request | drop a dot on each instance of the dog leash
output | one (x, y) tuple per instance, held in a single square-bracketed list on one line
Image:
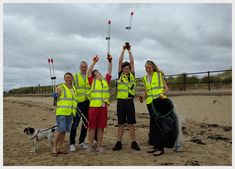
[(50, 128)]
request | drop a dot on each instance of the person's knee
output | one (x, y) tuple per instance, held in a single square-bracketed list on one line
[(121, 125), (91, 130), (130, 125)]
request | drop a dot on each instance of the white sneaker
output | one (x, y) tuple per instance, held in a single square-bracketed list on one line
[(72, 147), (83, 145)]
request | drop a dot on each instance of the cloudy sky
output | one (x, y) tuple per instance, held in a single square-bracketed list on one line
[(178, 37)]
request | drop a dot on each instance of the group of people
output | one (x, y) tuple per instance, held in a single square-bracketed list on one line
[(87, 92)]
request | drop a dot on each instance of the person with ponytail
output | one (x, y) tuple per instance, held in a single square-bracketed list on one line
[(155, 87)]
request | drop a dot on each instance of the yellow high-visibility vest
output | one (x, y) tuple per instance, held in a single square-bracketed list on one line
[(99, 93), (67, 102), (125, 86), (83, 87), (155, 87)]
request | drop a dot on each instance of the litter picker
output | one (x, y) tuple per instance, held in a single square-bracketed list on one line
[(108, 38), (53, 77), (82, 117), (128, 28)]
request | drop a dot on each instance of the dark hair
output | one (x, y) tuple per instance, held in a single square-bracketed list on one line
[(68, 73), (124, 64), (93, 72)]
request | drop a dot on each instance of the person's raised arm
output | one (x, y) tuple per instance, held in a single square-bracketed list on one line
[(90, 69), (121, 59), (131, 58), (109, 58)]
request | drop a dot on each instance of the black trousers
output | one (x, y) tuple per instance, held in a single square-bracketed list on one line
[(152, 127), (84, 107)]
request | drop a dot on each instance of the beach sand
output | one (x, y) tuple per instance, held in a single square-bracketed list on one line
[(207, 134)]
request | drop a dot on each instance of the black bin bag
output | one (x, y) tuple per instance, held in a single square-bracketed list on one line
[(166, 122)]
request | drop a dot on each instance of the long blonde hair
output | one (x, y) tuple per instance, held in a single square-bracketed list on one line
[(155, 68)]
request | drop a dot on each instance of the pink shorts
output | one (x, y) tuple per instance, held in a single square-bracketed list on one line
[(98, 117)]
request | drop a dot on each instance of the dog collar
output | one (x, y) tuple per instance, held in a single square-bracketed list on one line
[(36, 136)]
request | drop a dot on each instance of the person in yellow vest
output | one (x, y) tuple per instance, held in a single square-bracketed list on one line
[(99, 100), (125, 97), (82, 86), (65, 110), (155, 87)]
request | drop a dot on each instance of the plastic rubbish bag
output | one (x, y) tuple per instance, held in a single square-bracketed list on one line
[(166, 123)]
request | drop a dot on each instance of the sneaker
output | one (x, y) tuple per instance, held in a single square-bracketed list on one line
[(83, 145), (135, 146), (151, 150), (100, 149), (118, 146), (158, 152), (72, 147)]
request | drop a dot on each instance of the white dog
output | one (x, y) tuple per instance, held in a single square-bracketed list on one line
[(37, 135)]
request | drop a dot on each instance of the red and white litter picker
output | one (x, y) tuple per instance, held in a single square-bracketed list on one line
[(128, 28), (108, 38), (53, 78)]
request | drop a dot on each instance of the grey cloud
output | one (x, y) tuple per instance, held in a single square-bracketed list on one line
[(178, 37)]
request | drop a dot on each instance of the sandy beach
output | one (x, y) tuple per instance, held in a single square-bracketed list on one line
[(207, 133)]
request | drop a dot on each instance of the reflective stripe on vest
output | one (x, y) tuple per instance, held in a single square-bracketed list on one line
[(99, 93), (155, 87), (124, 86), (82, 86), (67, 102)]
